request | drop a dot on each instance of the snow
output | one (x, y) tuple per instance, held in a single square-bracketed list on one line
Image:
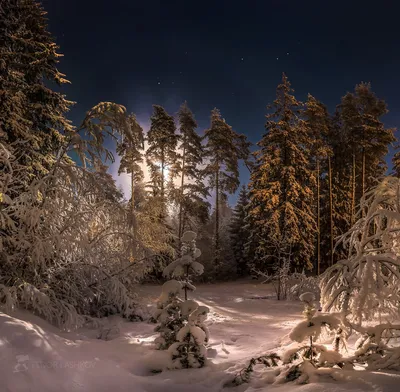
[(35, 356), (188, 307), (307, 297), (169, 288), (305, 328), (189, 236)]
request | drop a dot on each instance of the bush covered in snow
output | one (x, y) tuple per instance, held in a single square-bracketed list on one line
[(301, 283), (366, 284), (66, 247)]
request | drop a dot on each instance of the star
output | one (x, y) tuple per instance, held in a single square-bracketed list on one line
[(277, 58), (287, 54), (242, 59), (158, 82)]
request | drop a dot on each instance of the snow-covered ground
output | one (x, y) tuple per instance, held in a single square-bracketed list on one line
[(245, 321)]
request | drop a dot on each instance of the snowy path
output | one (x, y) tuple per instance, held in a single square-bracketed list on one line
[(37, 357)]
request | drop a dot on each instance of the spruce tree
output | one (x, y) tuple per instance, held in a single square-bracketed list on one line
[(181, 322), (224, 148), (161, 152), (281, 195), (30, 111), (192, 191), (239, 233)]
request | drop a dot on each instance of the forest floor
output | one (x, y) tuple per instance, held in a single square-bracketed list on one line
[(245, 321)]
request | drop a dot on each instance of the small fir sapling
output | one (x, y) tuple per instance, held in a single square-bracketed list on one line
[(311, 355), (304, 356), (186, 265), (183, 331), (168, 314), (190, 350)]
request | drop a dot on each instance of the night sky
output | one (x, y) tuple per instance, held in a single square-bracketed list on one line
[(225, 54)]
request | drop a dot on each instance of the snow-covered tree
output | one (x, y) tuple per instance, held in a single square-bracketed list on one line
[(32, 113), (281, 185), (366, 283), (300, 361), (186, 265), (182, 329), (65, 240), (168, 314), (190, 350)]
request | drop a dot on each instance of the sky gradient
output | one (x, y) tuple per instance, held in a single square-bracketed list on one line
[(225, 54)]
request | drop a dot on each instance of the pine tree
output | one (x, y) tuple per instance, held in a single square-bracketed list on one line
[(30, 111), (339, 189), (161, 152), (281, 195), (319, 126), (191, 194), (130, 152), (360, 119), (224, 148), (239, 233), (359, 143)]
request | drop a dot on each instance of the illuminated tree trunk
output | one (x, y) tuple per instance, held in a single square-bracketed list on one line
[(180, 226), (216, 254), (353, 192), (318, 222), (330, 206)]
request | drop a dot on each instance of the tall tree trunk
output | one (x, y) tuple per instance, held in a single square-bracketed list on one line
[(363, 177), (180, 227), (318, 223), (330, 207), (216, 254), (133, 214), (353, 191), (363, 172), (162, 191)]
